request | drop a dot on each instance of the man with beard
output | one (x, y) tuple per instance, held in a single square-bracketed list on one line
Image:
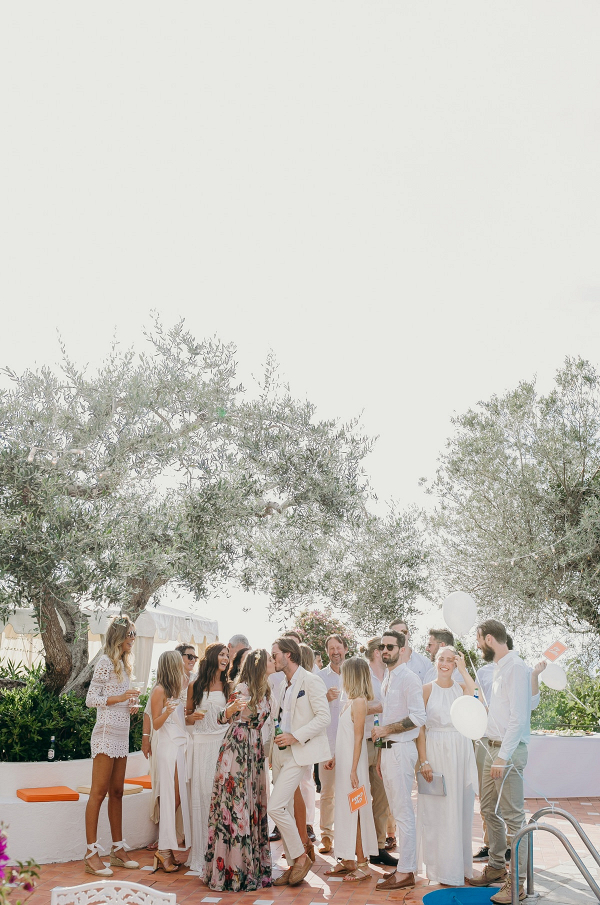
[(403, 715), (337, 649), (506, 740), (303, 716)]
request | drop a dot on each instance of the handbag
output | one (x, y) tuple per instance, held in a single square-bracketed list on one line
[(437, 786)]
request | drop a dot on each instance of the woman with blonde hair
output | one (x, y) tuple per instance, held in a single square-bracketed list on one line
[(114, 700), (238, 856), (354, 830), (171, 738)]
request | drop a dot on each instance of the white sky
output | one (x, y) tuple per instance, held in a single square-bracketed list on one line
[(401, 199)]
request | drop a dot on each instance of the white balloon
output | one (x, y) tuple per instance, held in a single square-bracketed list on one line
[(469, 716), (554, 677), (460, 612)]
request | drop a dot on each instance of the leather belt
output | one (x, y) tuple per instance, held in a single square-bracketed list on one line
[(494, 744), (389, 743)]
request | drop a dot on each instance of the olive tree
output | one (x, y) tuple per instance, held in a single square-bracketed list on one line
[(518, 503), (161, 467)]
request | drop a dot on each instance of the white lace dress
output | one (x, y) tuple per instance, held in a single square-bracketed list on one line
[(111, 732), (444, 823), (208, 735)]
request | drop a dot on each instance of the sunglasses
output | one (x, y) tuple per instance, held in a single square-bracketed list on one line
[(131, 634), (191, 656), (387, 646)]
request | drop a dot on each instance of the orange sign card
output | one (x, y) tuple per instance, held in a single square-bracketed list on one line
[(357, 798), (555, 651)]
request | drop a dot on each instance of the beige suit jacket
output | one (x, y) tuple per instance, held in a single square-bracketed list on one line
[(310, 718)]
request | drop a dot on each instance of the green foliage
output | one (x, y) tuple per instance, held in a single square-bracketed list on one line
[(161, 468), (560, 711), (30, 715), (315, 626), (518, 516)]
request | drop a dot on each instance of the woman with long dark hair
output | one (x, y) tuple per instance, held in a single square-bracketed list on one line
[(110, 694), (206, 698), (238, 856)]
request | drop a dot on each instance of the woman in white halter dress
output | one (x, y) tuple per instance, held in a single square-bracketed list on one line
[(444, 823), (207, 697), (351, 772), (171, 755)]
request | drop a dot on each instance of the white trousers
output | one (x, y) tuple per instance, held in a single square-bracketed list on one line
[(398, 770), (280, 808), (308, 791)]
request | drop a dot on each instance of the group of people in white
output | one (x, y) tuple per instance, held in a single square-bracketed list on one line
[(370, 723)]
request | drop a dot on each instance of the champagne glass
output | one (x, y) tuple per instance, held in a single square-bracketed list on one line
[(134, 700)]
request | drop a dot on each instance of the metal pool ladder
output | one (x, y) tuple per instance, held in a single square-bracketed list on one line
[(529, 830)]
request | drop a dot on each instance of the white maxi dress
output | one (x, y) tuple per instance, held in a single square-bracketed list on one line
[(445, 823), (170, 750), (345, 822), (208, 735)]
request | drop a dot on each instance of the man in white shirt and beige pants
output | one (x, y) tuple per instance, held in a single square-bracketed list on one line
[(403, 715), (506, 739)]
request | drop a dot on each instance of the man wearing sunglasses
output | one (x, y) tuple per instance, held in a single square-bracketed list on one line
[(403, 715)]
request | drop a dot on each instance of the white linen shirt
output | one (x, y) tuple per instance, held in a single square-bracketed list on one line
[(370, 719), (402, 696), (332, 680), (485, 678), (418, 664), (286, 703), (509, 713)]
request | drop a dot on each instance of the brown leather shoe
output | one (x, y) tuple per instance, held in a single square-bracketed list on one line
[(504, 896), (298, 873), (393, 883), (284, 879), (325, 845), (491, 876), (310, 850)]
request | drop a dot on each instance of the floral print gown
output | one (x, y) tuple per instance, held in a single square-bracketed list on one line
[(238, 856)]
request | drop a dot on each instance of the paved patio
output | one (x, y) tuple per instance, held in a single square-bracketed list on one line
[(556, 877)]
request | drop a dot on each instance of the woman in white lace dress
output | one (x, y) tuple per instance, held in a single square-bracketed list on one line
[(114, 700), (207, 697), (444, 822)]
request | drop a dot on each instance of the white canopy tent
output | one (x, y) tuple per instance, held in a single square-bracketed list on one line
[(21, 643)]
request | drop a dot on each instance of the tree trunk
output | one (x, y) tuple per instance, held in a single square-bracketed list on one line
[(57, 654), (142, 591)]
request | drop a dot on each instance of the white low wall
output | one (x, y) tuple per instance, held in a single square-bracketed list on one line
[(55, 830), (563, 767)]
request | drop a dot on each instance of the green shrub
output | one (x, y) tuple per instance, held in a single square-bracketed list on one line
[(30, 715), (558, 710)]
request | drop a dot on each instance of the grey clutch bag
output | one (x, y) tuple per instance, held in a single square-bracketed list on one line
[(437, 786)]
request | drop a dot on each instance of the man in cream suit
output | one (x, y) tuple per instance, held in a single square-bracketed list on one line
[(302, 711)]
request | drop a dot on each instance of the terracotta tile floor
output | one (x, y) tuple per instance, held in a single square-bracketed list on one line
[(317, 888)]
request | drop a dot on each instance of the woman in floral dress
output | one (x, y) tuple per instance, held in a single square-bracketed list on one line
[(238, 856)]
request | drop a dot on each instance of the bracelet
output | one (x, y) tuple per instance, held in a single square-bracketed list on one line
[(145, 735), (423, 764)]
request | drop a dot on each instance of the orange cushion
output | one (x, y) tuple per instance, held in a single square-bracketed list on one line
[(140, 781), (48, 793)]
